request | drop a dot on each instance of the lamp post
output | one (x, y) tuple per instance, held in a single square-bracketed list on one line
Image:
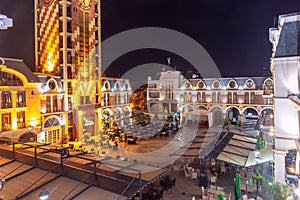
[(44, 194), (257, 158), (2, 181)]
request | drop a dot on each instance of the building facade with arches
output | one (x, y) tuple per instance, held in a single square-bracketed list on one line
[(219, 97), (32, 106)]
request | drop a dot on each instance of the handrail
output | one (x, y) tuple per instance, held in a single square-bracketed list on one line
[(88, 175), (127, 187)]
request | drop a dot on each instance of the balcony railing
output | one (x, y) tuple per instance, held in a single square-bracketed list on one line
[(6, 105)]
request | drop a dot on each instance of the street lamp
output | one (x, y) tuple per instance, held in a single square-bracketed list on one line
[(257, 158), (44, 194), (2, 181)]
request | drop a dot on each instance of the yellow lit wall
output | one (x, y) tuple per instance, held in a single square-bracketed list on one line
[(49, 40)]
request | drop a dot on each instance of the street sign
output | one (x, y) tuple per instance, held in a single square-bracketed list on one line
[(5, 22)]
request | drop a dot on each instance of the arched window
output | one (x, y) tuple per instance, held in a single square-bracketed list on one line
[(249, 84), (188, 85), (216, 84), (232, 84), (200, 85), (8, 79)]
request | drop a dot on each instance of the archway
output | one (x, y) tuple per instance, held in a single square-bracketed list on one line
[(51, 131), (250, 111), (201, 108), (88, 123), (233, 113), (127, 111), (107, 116), (267, 116), (217, 115), (118, 112)]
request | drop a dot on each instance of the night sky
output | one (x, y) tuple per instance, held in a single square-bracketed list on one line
[(234, 32)]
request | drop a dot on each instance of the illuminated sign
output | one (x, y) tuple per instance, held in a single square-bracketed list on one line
[(5, 22)]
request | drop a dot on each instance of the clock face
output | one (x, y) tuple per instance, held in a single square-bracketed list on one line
[(85, 4), (216, 84), (249, 83), (51, 85), (200, 85), (232, 84)]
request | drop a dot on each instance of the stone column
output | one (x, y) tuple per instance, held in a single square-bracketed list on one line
[(279, 171)]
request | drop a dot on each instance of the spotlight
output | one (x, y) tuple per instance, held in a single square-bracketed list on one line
[(44, 194)]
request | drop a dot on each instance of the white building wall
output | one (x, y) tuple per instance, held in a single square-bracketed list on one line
[(286, 76), (286, 119)]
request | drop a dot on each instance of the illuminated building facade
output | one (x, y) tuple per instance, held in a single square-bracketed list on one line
[(67, 35), (285, 68), (19, 100), (66, 97), (32, 106), (211, 99)]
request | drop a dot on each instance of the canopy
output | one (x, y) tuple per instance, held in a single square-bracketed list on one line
[(234, 148), (266, 155), (202, 144)]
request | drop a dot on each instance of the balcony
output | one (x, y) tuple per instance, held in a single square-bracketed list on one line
[(21, 104), (6, 105)]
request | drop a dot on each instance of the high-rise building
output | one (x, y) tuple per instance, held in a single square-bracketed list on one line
[(67, 45), (67, 52)]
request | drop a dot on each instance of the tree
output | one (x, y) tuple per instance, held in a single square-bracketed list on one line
[(280, 191)]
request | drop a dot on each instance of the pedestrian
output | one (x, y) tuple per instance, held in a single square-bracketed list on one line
[(237, 186), (203, 180)]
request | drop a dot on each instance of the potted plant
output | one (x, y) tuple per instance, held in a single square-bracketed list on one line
[(239, 123), (226, 121), (259, 142), (258, 179), (280, 191)]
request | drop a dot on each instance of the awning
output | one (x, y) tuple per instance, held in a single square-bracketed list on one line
[(266, 155), (202, 144), (234, 148)]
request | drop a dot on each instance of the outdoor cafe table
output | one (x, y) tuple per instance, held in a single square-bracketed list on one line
[(213, 191)]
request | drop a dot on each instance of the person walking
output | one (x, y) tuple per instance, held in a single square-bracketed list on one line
[(237, 186)]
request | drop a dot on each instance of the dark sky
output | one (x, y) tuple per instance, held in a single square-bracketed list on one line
[(234, 32)]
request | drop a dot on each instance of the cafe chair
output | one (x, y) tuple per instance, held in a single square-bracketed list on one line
[(245, 197), (243, 187), (223, 169), (251, 189), (213, 180), (187, 175), (194, 176), (213, 187)]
